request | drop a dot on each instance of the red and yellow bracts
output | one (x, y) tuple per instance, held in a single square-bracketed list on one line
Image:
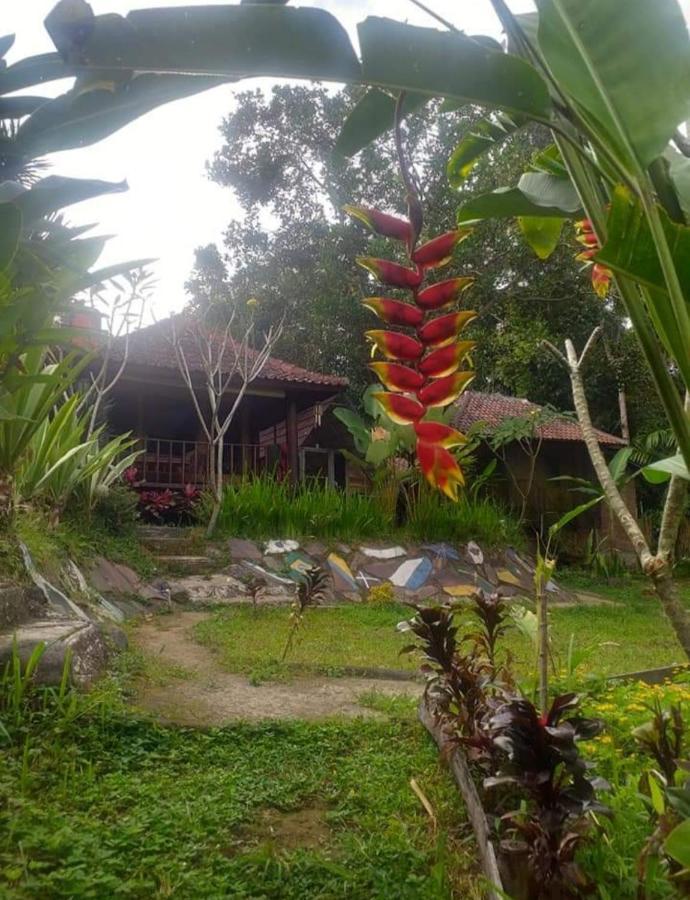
[(423, 370)]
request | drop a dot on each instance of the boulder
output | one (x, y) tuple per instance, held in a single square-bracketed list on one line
[(88, 646)]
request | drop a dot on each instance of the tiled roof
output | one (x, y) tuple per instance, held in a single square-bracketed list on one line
[(475, 406), (152, 346)]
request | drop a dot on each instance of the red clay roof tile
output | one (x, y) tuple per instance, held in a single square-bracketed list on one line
[(476, 406), (152, 346)]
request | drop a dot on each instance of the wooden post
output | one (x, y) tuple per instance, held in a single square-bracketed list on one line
[(291, 437), (245, 435)]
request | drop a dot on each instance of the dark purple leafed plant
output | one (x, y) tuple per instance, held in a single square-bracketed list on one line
[(540, 758)]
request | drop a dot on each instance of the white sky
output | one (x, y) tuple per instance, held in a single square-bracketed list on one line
[(171, 206)]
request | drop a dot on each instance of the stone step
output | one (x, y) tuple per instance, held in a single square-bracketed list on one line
[(185, 565), (88, 642), (167, 539)]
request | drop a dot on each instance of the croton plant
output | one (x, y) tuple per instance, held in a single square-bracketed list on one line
[(423, 363)]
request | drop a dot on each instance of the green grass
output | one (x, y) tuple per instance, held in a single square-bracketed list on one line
[(267, 508), (105, 805), (72, 538), (628, 636)]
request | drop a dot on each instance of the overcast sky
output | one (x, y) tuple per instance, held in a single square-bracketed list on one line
[(171, 206)]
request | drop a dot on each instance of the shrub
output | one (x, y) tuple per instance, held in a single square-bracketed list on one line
[(381, 593), (117, 510), (434, 517), (266, 507)]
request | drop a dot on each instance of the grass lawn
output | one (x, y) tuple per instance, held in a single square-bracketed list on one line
[(96, 804), (629, 635)]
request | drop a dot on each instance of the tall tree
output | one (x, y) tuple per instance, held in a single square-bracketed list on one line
[(293, 250)]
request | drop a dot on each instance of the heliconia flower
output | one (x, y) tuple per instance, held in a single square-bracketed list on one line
[(444, 390), (601, 276), (380, 222), (396, 377), (394, 345), (440, 468), (395, 312), (443, 293), (391, 273), (445, 360), (439, 251), (437, 433), (402, 410), (443, 330), (601, 279)]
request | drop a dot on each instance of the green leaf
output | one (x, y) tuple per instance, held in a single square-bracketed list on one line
[(19, 107), (679, 171), (32, 71), (373, 116), (573, 514), (628, 68), (672, 465), (657, 795), (550, 191), (538, 194), (228, 40), (10, 229), (486, 134), (677, 844), (446, 64), (541, 233), (6, 42), (619, 463), (56, 192), (82, 117)]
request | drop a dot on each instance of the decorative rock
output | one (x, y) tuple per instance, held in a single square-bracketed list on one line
[(57, 601), (241, 549), (298, 563), (460, 590), (383, 552), (442, 551), (257, 569), (412, 574), (382, 570), (475, 553), (84, 641), (105, 607), (343, 579), (277, 547), (507, 577), (367, 581)]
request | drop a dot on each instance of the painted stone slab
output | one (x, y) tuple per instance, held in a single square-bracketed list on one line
[(274, 547), (343, 579), (442, 551), (459, 590), (367, 581), (382, 570), (259, 570), (485, 585), (383, 552), (412, 574), (475, 553), (514, 557), (315, 549), (507, 577), (297, 564), (241, 549)]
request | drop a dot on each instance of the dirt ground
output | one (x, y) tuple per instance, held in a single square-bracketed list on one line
[(211, 696)]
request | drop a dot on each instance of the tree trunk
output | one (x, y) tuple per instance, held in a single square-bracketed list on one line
[(217, 468), (623, 410), (655, 567), (667, 592)]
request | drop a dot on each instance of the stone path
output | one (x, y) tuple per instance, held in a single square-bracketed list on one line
[(211, 696)]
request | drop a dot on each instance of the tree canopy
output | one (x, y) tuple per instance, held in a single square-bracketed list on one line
[(294, 250)]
